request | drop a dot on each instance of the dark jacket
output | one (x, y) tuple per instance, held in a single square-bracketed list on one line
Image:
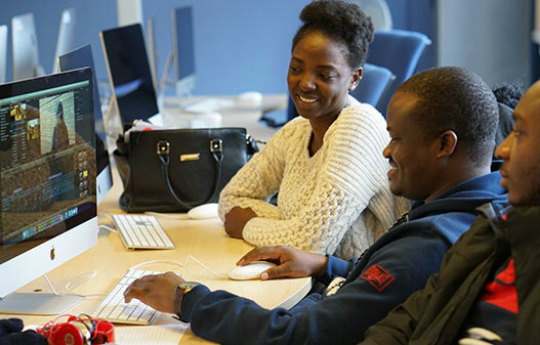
[(398, 264), (435, 314)]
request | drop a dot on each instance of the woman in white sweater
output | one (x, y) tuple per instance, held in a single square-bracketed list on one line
[(334, 196)]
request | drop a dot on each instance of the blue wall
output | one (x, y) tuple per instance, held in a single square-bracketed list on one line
[(240, 45)]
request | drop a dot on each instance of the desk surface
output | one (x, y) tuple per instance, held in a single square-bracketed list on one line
[(205, 240)]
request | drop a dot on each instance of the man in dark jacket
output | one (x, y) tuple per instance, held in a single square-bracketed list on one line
[(488, 288), (442, 125)]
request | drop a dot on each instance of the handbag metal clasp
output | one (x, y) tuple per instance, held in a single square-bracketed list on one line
[(163, 148), (216, 145)]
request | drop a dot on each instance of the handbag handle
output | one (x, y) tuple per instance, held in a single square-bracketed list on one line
[(163, 149)]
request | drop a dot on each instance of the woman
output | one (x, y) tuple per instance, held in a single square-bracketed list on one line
[(327, 165)]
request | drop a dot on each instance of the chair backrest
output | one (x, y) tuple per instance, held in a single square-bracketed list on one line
[(291, 110), (374, 85), (399, 51)]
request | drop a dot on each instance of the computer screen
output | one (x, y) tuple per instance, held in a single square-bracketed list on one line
[(3, 53), (24, 47), (184, 52), (47, 177), (79, 58), (66, 36), (129, 73)]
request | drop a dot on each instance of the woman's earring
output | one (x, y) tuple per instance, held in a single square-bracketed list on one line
[(354, 84)]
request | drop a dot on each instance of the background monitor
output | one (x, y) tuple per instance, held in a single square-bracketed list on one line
[(66, 36), (183, 50), (79, 58), (24, 47), (129, 73), (3, 52), (47, 179)]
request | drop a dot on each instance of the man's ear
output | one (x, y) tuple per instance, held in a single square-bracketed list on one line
[(448, 142)]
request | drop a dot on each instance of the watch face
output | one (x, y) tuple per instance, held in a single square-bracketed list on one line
[(188, 285)]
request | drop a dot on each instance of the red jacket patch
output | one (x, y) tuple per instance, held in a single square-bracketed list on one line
[(378, 277)]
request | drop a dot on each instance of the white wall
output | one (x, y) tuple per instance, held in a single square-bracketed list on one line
[(490, 37)]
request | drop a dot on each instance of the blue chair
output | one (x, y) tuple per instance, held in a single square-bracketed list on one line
[(399, 51), (374, 85)]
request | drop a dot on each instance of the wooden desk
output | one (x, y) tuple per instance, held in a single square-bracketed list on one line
[(203, 239)]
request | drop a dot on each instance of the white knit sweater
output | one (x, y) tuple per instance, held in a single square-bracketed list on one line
[(336, 202)]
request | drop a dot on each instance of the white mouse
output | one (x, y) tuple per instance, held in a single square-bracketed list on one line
[(250, 98), (203, 211), (250, 271)]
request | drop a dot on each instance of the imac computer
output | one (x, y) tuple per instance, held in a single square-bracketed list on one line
[(24, 47), (183, 51), (66, 36), (182, 58), (129, 73), (47, 183), (80, 58)]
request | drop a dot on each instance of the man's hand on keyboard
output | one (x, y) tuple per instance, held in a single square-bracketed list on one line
[(157, 291)]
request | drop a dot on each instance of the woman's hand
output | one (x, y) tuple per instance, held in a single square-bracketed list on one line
[(291, 262), (236, 220)]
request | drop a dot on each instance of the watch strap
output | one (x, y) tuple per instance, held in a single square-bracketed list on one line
[(179, 293)]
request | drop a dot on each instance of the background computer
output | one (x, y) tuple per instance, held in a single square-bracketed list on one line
[(182, 57), (129, 73), (183, 50), (3, 52), (47, 179), (66, 36), (79, 58), (25, 47)]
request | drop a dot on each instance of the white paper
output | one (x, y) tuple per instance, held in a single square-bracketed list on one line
[(150, 335)]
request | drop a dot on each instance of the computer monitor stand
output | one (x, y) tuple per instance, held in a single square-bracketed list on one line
[(165, 77), (38, 303), (112, 121)]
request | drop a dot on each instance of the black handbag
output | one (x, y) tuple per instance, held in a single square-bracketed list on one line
[(176, 170)]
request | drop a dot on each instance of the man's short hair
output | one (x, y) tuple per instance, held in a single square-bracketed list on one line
[(454, 98)]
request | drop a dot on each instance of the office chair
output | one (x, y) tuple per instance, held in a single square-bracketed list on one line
[(399, 51), (374, 85)]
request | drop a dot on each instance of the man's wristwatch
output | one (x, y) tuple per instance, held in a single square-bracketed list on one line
[(181, 290)]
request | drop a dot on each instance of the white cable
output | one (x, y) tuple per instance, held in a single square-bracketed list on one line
[(105, 214), (179, 264), (203, 266), (155, 262), (107, 227), (68, 287), (70, 290), (163, 215), (51, 286)]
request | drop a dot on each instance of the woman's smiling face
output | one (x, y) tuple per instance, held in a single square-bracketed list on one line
[(320, 76)]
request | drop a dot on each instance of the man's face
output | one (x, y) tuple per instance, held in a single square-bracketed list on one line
[(412, 156), (521, 152)]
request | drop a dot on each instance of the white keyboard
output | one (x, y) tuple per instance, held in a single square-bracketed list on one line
[(114, 309), (142, 232), (208, 105)]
